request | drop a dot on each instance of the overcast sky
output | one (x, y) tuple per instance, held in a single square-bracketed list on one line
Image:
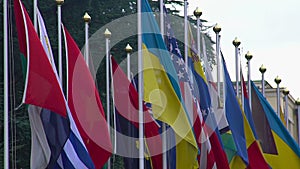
[(269, 29)]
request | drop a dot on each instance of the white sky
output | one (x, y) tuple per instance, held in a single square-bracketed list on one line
[(269, 29)]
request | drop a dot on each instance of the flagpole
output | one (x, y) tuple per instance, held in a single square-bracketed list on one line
[(5, 66), (198, 13), (128, 50), (107, 35), (277, 81), (164, 137), (59, 3), (297, 102), (242, 86), (262, 70), (113, 105), (185, 35), (86, 19), (286, 110), (161, 18), (249, 56), (236, 44), (35, 14), (140, 86), (217, 30)]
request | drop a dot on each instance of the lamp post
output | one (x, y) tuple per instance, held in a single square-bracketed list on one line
[(236, 43), (277, 81), (262, 70)]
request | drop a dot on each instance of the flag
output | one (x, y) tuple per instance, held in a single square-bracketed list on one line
[(41, 84), (126, 104), (206, 157), (215, 148), (42, 89), (246, 107), (74, 153), (256, 158), (254, 154), (213, 91), (279, 148), (161, 89), (86, 107), (234, 117)]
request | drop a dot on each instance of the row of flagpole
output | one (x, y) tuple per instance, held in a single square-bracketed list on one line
[(128, 49)]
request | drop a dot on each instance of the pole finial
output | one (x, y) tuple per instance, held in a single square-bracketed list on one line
[(107, 33), (248, 56), (262, 69), (128, 48), (86, 18), (236, 42), (197, 12), (59, 2), (297, 101), (286, 91), (217, 28), (277, 80)]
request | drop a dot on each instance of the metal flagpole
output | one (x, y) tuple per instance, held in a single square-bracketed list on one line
[(128, 50), (59, 3), (140, 86), (35, 14), (262, 70), (277, 81), (164, 137), (297, 102), (236, 44), (86, 19), (249, 56), (5, 66), (217, 30), (286, 108), (242, 86), (198, 13), (107, 35), (161, 13), (185, 35)]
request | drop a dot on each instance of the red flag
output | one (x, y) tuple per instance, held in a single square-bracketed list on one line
[(42, 84), (126, 102), (86, 107)]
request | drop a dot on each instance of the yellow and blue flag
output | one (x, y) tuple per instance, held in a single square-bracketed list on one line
[(161, 89)]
